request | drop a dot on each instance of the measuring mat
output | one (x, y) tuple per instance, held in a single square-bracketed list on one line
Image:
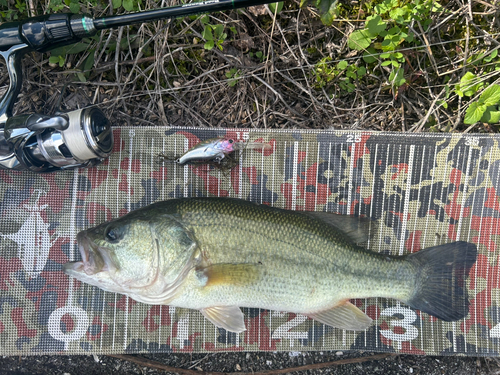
[(423, 189)]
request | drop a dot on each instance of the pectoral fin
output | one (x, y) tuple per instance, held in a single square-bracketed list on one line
[(344, 316), (228, 274), (228, 317)]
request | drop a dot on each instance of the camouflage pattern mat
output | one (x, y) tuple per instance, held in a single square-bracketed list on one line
[(424, 189)]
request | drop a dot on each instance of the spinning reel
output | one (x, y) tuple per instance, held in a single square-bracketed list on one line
[(42, 143), (80, 138)]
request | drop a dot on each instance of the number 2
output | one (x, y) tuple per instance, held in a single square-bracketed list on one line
[(353, 138), (283, 331)]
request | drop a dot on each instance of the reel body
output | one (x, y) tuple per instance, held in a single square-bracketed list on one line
[(39, 143)]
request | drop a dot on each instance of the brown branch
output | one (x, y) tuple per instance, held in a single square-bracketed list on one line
[(141, 361)]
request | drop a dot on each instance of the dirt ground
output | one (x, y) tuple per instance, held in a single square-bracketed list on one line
[(251, 363)]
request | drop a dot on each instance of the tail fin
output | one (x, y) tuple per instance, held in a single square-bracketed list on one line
[(441, 274)]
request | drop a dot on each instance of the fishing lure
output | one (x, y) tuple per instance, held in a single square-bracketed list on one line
[(210, 150), (214, 150)]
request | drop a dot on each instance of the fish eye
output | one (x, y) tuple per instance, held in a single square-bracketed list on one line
[(112, 235), (230, 140)]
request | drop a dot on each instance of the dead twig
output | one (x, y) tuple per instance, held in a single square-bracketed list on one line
[(141, 361)]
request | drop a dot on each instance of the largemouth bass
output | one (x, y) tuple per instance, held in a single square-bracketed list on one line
[(219, 254)]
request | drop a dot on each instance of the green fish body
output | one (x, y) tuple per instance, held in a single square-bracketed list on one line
[(218, 254)]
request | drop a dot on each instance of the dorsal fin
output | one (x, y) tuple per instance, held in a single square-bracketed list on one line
[(356, 229)]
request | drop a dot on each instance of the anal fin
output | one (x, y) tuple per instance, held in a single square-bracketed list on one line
[(228, 317), (344, 316)]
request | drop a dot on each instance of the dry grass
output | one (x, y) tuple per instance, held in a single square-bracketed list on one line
[(166, 77)]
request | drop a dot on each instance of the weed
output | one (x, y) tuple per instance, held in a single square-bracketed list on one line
[(259, 55), (381, 39), (327, 9), (484, 109), (213, 34), (343, 73), (233, 76), (275, 8), (128, 5)]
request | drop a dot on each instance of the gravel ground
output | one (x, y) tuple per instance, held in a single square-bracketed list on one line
[(250, 363)]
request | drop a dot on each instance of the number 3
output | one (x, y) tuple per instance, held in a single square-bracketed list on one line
[(409, 317)]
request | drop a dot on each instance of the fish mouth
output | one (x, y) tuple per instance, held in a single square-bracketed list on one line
[(95, 259)]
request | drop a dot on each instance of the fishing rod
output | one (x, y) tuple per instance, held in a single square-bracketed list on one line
[(81, 138)]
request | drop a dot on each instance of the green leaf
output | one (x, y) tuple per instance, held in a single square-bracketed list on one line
[(350, 74), (443, 103), (81, 77), (218, 30), (74, 7), (207, 33), (386, 63), (327, 10), (398, 14), (342, 65), (490, 116), (390, 43), (398, 55), (474, 113), (204, 19), (361, 71), (89, 62), (370, 56), (276, 7), (209, 45), (490, 96), (375, 25), (117, 4), (381, 8), (491, 56), (468, 85), (394, 30), (359, 40), (54, 59), (71, 49), (128, 5), (397, 78)]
